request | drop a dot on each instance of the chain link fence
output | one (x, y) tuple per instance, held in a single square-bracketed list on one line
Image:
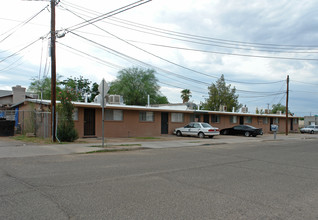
[(35, 123)]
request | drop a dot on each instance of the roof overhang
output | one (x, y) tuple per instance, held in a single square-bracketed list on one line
[(156, 109)]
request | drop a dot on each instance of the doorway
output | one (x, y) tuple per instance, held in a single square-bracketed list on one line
[(270, 124), (89, 122), (206, 118), (164, 122), (241, 120), (291, 124)]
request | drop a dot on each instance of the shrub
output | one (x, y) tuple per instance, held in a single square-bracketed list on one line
[(65, 129)]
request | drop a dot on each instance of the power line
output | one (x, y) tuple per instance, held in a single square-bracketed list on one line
[(11, 65), (303, 91), (208, 75), (17, 52), (216, 39), (115, 66), (305, 82), (14, 29), (175, 74), (119, 67), (108, 14), (237, 47), (218, 44), (116, 53), (165, 31)]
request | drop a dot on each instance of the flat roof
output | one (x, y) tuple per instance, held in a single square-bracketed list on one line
[(160, 109)]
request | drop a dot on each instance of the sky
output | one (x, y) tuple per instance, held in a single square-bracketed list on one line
[(190, 44)]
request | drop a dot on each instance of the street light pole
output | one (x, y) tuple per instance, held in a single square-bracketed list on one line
[(53, 73)]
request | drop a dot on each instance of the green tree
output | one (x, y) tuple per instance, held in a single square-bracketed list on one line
[(221, 94), (185, 95), (94, 92), (65, 129), (135, 84), (279, 107), (160, 99), (80, 85), (43, 87)]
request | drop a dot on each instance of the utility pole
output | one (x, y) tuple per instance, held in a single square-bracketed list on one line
[(53, 73), (287, 93)]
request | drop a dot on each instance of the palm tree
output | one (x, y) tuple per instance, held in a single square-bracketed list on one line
[(185, 95)]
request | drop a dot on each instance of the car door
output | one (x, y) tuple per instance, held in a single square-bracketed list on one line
[(186, 129), (195, 129), (238, 130)]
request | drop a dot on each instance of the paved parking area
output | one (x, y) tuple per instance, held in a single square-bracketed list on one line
[(11, 148)]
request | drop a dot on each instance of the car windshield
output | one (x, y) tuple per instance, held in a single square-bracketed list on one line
[(206, 125)]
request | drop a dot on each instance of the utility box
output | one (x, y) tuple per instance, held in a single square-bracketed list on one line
[(7, 127), (274, 128)]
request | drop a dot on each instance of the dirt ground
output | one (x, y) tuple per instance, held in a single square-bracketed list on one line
[(132, 139)]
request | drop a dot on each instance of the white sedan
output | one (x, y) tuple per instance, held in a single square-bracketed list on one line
[(310, 129), (199, 129)]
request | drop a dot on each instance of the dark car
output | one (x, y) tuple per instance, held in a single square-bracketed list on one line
[(246, 130)]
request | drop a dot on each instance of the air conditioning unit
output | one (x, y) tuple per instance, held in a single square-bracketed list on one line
[(34, 96), (267, 111), (113, 99), (244, 109)]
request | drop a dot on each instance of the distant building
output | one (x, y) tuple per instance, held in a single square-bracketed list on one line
[(17, 95), (311, 120)]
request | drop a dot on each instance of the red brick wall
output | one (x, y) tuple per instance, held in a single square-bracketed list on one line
[(130, 126)]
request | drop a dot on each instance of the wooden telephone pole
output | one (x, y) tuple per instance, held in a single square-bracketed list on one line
[(287, 93), (53, 72)]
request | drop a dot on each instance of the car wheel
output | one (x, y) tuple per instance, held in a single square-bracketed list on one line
[(247, 134), (201, 135), (211, 136), (311, 132), (179, 134)]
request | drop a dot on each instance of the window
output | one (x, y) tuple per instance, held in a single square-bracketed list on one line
[(114, 115), (276, 120), (196, 126), (233, 119), (295, 121), (146, 116), (215, 119), (265, 120), (248, 119), (192, 118), (176, 117), (75, 114)]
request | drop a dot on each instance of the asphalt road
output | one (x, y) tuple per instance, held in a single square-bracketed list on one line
[(263, 180)]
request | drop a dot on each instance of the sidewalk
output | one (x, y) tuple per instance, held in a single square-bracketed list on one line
[(10, 148)]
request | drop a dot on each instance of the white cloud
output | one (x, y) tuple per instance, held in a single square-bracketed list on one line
[(266, 22)]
